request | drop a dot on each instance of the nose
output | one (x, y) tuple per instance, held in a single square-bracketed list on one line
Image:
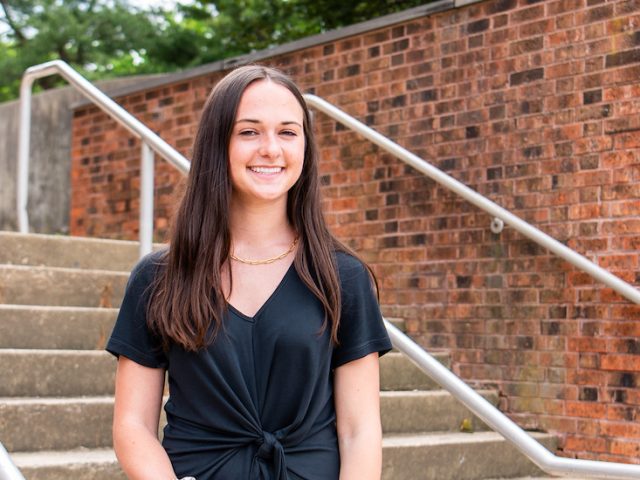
[(269, 146)]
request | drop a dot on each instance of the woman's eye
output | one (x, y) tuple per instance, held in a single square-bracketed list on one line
[(290, 133), (248, 133)]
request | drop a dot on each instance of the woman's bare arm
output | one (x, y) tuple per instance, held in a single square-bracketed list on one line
[(135, 423), (357, 399)]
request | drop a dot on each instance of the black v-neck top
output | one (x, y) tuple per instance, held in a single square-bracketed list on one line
[(257, 404)]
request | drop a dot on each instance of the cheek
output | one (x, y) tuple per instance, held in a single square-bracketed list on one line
[(235, 166), (297, 151), (299, 168), (235, 152), (238, 157)]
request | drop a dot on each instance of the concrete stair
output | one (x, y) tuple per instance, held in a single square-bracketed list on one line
[(58, 302)]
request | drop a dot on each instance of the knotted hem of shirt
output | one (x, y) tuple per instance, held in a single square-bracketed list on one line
[(271, 452)]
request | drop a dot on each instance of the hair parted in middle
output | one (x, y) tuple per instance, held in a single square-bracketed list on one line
[(187, 303)]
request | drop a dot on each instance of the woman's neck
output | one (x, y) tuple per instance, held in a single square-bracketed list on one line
[(259, 225)]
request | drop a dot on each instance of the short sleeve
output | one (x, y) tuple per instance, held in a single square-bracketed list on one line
[(361, 329), (131, 337)]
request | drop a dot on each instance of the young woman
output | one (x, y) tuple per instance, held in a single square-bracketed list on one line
[(267, 325)]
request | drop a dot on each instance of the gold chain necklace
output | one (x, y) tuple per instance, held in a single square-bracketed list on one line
[(267, 260)]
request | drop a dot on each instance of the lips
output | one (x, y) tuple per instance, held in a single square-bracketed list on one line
[(266, 170)]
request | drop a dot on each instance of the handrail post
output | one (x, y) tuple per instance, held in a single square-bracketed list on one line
[(22, 187), (146, 199), (151, 143), (8, 471)]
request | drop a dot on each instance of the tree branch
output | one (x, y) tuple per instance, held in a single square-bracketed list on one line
[(12, 24), (62, 53)]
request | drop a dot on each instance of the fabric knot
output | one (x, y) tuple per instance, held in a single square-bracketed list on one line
[(269, 446), (269, 460)]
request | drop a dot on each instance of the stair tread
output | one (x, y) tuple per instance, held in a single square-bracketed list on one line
[(433, 353), (68, 238), (68, 251), (87, 400), (54, 351), (394, 440), (107, 455), (444, 438), (94, 398), (29, 285), (78, 271), (63, 457), (55, 308), (25, 326), (425, 393)]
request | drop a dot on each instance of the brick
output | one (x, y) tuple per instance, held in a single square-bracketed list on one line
[(478, 26), (621, 362), (519, 78), (578, 443), (526, 46), (527, 14), (622, 58), (627, 140), (585, 409), (625, 448), (592, 96), (498, 6), (622, 125)]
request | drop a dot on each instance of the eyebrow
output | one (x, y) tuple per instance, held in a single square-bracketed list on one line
[(251, 120)]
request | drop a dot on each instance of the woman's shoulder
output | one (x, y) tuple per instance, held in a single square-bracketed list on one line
[(350, 268), (347, 261), (147, 266)]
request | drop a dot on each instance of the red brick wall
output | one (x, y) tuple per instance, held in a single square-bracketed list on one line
[(533, 104)]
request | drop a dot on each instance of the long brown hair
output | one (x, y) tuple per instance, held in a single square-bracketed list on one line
[(187, 303)]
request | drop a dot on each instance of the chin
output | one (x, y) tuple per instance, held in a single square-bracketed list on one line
[(270, 197)]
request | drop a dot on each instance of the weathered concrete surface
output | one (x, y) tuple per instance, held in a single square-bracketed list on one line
[(397, 372), (56, 386), (455, 456), (81, 464), (61, 286), (79, 328), (67, 252), (44, 371), (427, 411), (538, 478), (50, 373), (101, 464), (48, 205), (32, 424)]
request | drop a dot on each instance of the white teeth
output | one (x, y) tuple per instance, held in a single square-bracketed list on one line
[(265, 169)]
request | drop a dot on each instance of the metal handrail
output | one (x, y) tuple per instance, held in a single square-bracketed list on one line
[(529, 231), (493, 417), (8, 471), (150, 143), (477, 404), (502, 424)]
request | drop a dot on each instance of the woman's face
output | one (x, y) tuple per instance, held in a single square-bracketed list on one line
[(266, 150)]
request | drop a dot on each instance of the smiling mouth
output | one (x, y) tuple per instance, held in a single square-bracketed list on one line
[(266, 169)]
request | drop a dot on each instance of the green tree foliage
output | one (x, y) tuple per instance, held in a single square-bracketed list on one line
[(234, 27), (105, 38), (102, 38)]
